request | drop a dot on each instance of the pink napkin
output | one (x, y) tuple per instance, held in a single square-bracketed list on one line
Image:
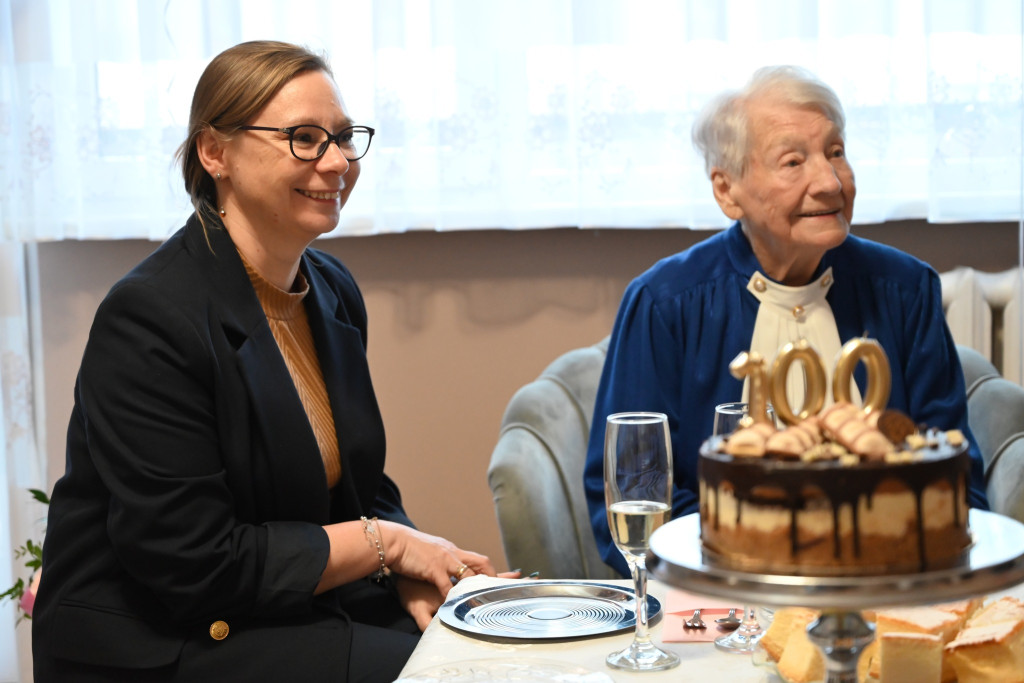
[(679, 606)]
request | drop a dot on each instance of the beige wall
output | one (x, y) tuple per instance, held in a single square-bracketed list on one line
[(458, 322)]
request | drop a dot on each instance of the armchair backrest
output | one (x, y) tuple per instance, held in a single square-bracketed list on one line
[(995, 411), (536, 470)]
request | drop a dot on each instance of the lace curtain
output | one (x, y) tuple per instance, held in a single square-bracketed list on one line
[(21, 461), (526, 114), (490, 114)]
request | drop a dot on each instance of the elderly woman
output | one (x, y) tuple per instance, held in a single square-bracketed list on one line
[(787, 269), (224, 514)]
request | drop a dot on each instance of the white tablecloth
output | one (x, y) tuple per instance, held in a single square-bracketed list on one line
[(700, 661)]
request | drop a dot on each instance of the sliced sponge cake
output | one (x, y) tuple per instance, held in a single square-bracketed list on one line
[(1003, 609), (910, 658), (993, 652), (929, 620), (785, 621)]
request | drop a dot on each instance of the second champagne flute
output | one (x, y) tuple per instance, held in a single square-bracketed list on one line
[(746, 636), (638, 496)]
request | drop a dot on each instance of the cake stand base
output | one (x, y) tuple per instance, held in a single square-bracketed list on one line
[(995, 561), (841, 636)]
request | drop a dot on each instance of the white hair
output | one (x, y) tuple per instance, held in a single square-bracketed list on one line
[(721, 132)]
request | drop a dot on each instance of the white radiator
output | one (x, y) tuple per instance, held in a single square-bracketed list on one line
[(983, 311)]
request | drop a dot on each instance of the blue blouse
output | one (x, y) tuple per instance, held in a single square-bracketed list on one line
[(683, 321)]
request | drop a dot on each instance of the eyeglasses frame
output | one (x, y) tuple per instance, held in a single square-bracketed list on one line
[(336, 139)]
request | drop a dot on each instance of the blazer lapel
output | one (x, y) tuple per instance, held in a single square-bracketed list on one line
[(292, 455), (357, 419), (286, 457)]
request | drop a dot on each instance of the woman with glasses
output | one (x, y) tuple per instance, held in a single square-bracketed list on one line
[(224, 514)]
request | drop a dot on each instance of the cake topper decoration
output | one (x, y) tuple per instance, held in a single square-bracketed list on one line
[(765, 385)]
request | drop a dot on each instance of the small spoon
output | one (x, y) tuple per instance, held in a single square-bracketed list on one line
[(695, 621), (730, 622)]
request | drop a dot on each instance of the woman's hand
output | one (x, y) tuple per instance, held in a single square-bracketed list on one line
[(416, 555), (407, 552), (419, 598), (422, 600)]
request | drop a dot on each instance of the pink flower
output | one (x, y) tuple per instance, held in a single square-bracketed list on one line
[(28, 598), (28, 601)]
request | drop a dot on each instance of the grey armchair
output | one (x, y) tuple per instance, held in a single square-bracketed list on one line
[(995, 411), (536, 469)]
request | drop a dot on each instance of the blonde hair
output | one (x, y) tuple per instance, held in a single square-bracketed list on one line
[(722, 131), (234, 87)]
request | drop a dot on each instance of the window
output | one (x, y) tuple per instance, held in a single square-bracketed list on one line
[(531, 114)]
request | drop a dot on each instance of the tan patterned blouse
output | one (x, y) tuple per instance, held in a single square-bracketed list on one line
[(290, 327)]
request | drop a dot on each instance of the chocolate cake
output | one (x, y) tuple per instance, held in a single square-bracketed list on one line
[(837, 498)]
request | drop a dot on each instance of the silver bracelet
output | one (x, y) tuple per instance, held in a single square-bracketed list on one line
[(373, 536)]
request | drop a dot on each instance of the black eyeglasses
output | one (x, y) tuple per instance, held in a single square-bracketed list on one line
[(309, 142)]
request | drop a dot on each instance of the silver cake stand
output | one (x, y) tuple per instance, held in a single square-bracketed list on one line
[(994, 562)]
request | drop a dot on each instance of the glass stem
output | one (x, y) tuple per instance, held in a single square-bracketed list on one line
[(638, 567), (750, 625)]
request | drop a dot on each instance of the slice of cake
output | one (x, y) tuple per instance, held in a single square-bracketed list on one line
[(1003, 609), (930, 620), (927, 620), (801, 660), (867, 663), (910, 658), (993, 652), (786, 620), (965, 609)]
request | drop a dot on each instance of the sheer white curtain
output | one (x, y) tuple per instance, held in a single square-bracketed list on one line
[(533, 113), (21, 463), (490, 114)]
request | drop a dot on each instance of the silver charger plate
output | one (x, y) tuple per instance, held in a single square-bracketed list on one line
[(539, 610)]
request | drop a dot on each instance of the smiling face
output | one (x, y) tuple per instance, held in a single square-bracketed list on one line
[(281, 201), (795, 197)]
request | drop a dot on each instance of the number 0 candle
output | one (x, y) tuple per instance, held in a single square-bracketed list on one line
[(814, 374), (765, 384), (877, 365)]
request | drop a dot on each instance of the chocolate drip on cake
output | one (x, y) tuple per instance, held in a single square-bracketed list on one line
[(795, 487)]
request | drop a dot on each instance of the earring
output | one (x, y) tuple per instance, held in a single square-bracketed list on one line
[(218, 176), (223, 212)]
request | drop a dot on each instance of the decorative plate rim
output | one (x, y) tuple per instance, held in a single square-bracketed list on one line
[(454, 612)]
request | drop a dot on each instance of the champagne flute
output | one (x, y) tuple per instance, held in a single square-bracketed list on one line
[(728, 418), (638, 496)]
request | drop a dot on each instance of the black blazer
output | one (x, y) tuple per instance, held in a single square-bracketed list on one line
[(194, 490)]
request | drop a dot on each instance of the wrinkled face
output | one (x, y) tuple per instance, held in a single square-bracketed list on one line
[(279, 196), (795, 198)]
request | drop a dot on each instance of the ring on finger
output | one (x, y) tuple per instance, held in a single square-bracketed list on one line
[(460, 571)]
